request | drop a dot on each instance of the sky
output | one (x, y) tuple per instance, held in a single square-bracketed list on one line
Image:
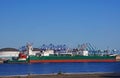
[(69, 22)]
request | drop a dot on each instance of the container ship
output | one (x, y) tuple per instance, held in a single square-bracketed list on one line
[(51, 56)]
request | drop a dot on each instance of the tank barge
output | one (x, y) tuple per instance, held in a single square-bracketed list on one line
[(49, 56)]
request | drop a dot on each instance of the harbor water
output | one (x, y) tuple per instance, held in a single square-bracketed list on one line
[(52, 68)]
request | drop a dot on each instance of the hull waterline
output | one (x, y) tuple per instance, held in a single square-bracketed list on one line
[(69, 61)]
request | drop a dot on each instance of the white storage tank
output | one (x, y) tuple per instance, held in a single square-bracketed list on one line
[(9, 52)]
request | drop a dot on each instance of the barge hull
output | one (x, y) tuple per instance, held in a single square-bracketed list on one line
[(68, 61)]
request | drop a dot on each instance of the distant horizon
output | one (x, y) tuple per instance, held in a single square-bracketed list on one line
[(69, 22)]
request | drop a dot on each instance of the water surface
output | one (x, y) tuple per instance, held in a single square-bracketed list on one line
[(50, 68)]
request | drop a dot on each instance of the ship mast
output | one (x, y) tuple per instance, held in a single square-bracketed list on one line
[(29, 49)]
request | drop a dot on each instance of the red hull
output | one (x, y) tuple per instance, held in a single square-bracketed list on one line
[(68, 61)]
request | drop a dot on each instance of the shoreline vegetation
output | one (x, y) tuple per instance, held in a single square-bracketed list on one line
[(68, 75)]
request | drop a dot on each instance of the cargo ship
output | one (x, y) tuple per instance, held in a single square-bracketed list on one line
[(49, 56)]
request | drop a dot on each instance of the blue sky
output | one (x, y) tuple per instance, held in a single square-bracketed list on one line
[(70, 22)]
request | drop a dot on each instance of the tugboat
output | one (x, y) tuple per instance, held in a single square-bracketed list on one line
[(23, 57)]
